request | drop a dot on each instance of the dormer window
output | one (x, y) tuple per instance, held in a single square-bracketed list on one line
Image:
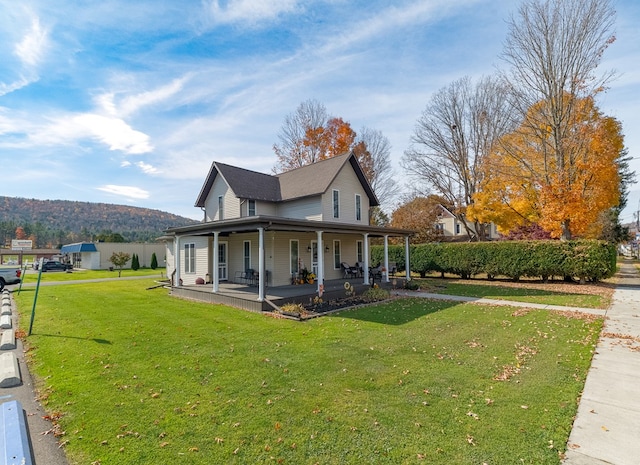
[(251, 208), (336, 204), (220, 207)]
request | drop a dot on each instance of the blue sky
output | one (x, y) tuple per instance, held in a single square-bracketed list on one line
[(130, 102)]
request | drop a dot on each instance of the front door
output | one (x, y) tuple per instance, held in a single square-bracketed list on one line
[(222, 261)]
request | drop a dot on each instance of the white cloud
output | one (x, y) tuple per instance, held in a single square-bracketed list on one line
[(250, 11), (110, 104), (111, 131), (114, 132), (130, 192), (33, 44), (146, 168), (15, 85), (389, 19)]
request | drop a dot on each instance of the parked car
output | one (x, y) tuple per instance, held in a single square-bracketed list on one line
[(54, 265), (9, 275)]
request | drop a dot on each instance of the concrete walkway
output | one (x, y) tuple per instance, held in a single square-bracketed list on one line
[(607, 427)]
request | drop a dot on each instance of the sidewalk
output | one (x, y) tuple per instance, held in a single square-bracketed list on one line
[(606, 430)]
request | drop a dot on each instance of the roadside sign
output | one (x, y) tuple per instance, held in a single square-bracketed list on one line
[(21, 244)]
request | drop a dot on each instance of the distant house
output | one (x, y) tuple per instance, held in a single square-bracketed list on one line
[(312, 218), (450, 228)]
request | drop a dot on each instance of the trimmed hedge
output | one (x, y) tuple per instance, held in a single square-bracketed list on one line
[(584, 259)]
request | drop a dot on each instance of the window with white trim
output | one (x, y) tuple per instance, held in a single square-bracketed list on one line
[(336, 204), (220, 207), (247, 255), (358, 207), (336, 255), (359, 251), (294, 263), (190, 258), (251, 208)]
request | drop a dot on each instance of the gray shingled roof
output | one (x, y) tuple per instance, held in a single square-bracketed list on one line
[(247, 184), (306, 181)]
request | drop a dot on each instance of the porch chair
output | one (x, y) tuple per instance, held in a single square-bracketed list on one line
[(245, 277), (349, 271), (393, 269)]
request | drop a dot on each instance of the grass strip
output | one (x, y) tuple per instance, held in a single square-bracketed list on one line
[(31, 276), (522, 293)]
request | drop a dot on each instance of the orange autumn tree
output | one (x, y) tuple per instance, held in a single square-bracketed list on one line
[(527, 182), (421, 215), (335, 138)]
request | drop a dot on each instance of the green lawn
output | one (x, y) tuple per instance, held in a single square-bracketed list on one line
[(31, 275), (518, 294), (139, 377)]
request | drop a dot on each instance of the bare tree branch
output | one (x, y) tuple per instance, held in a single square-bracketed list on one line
[(458, 129)]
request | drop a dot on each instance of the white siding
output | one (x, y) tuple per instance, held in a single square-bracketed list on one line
[(348, 185), (202, 259), (302, 209), (170, 259), (266, 208), (231, 202)]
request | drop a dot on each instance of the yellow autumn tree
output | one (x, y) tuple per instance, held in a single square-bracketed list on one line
[(526, 181)]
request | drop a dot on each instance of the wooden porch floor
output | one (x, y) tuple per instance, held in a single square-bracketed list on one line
[(246, 297)]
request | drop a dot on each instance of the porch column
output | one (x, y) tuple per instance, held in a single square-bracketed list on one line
[(320, 276), (386, 258), (216, 266), (407, 266), (365, 273), (176, 260), (261, 271)]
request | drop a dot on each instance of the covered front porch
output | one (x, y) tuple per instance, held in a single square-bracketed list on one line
[(211, 261), (246, 296)]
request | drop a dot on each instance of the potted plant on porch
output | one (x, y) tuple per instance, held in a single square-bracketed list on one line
[(307, 276)]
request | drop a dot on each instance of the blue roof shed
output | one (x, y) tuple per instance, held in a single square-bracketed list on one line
[(79, 247)]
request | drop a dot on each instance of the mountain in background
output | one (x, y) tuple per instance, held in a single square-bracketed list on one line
[(52, 223)]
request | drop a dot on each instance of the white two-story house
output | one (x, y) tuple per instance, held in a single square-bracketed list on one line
[(313, 218)]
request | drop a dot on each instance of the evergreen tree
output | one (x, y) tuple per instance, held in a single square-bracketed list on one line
[(154, 261), (135, 263)]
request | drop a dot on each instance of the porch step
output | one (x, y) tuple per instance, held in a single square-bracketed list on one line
[(8, 341), (9, 370), (271, 304)]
